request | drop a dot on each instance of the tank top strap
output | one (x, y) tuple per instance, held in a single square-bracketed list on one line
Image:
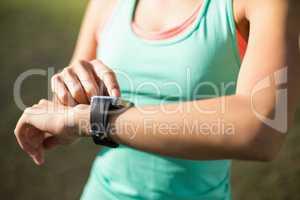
[(124, 11), (121, 13)]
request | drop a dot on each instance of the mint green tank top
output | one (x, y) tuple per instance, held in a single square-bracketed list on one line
[(202, 62)]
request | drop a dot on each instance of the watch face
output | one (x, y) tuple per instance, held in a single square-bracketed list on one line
[(117, 102)]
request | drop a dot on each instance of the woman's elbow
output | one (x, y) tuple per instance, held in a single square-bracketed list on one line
[(264, 145), (266, 155)]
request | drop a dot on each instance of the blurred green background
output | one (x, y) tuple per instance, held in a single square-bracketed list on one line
[(42, 34)]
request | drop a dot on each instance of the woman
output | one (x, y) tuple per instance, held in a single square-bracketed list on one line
[(192, 69)]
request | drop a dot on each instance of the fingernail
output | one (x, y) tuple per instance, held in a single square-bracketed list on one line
[(115, 92), (39, 161)]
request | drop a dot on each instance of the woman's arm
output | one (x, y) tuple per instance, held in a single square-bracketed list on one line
[(96, 14), (241, 132), (74, 85), (248, 125), (79, 81)]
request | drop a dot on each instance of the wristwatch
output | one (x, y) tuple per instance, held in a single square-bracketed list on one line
[(101, 108)]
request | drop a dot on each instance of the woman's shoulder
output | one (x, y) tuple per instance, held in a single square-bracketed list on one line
[(252, 9), (246, 8), (104, 10)]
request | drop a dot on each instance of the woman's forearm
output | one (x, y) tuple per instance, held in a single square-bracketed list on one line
[(221, 128)]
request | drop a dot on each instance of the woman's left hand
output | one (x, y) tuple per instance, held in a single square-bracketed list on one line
[(49, 124)]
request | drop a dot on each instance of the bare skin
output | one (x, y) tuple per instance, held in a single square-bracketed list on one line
[(272, 47)]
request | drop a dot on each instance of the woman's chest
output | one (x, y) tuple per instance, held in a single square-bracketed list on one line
[(170, 13), (184, 71), (200, 61)]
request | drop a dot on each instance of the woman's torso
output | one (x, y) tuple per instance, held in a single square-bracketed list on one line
[(201, 62)]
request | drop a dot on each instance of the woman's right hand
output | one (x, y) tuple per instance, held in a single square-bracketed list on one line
[(77, 83)]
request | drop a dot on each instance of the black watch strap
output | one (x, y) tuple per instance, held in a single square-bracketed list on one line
[(99, 118)]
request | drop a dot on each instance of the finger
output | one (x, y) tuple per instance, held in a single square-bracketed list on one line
[(107, 76), (55, 99), (38, 158), (87, 79), (44, 102), (34, 137), (21, 132), (59, 88), (74, 86), (51, 142)]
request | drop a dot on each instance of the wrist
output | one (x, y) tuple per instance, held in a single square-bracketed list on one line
[(117, 122), (114, 124), (82, 119)]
